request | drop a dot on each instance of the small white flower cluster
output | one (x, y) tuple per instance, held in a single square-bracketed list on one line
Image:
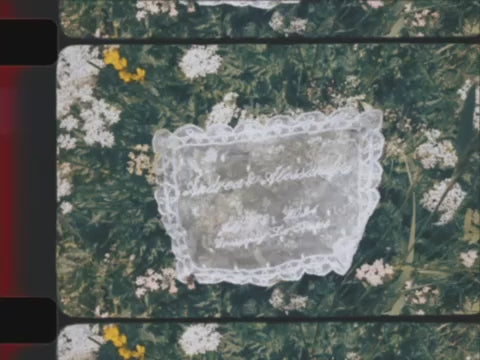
[(64, 186), (295, 303), (65, 141), (154, 281), (78, 67), (352, 81), (154, 7), (468, 258), (200, 60), (449, 205), (434, 151), (375, 274), (419, 17), (98, 312), (78, 70), (141, 162), (395, 147), (339, 100), (352, 356), (463, 91), (420, 296), (199, 339), (296, 25), (78, 342), (69, 123), (224, 111), (375, 4), (98, 118)]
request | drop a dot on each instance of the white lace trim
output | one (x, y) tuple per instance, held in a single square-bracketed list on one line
[(262, 4), (165, 144)]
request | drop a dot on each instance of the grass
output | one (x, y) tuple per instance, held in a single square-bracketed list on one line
[(307, 341), (115, 212)]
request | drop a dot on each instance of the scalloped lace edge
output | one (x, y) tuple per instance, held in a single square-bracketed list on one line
[(261, 4), (167, 197)]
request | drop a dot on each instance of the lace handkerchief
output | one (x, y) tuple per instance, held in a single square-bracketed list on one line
[(264, 203)]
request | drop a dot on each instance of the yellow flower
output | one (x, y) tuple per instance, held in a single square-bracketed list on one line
[(120, 341), (120, 64), (111, 333), (125, 353), (111, 56), (140, 75), (125, 76), (139, 353)]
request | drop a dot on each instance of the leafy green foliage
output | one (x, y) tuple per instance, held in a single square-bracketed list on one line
[(312, 341), (333, 18)]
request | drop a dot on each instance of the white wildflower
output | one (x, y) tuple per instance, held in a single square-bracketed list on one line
[(353, 81), (468, 258), (375, 274), (64, 187), (351, 101), (66, 207), (141, 164), (78, 342), (276, 21), (97, 135), (98, 312), (352, 356), (97, 119), (200, 60), (418, 297), (100, 109), (78, 70), (78, 67), (449, 205), (140, 292), (435, 152), (65, 141), (155, 7), (223, 112), (295, 303), (296, 25), (144, 148), (154, 281), (375, 4), (69, 123), (395, 147), (420, 18), (199, 339)]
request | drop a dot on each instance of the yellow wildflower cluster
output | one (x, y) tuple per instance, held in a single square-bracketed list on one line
[(112, 333), (112, 57)]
